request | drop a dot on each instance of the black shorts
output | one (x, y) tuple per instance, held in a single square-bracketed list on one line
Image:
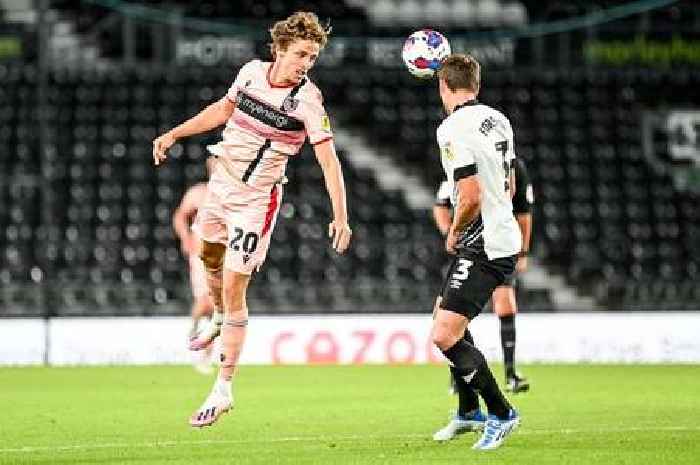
[(471, 280), (511, 280)]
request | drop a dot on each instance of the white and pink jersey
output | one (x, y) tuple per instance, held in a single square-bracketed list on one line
[(270, 124)]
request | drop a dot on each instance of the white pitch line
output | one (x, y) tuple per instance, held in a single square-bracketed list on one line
[(157, 444)]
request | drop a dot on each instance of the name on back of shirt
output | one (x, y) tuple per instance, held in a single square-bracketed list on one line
[(489, 124)]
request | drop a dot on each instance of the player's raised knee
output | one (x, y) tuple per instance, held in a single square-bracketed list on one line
[(443, 338), (212, 254)]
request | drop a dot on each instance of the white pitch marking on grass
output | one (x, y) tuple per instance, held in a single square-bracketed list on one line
[(202, 442)]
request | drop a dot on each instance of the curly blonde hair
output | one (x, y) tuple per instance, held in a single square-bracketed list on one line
[(302, 25)]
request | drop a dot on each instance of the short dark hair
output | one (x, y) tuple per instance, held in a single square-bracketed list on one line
[(461, 72)]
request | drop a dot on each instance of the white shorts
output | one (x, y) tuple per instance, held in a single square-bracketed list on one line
[(243, 222)]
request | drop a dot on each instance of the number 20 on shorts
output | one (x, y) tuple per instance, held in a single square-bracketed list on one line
[(248, 244)]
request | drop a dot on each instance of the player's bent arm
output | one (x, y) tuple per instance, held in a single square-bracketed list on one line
[(338, 230), (212, 116), (468, 203), (443, 218), (512, 186), (466, 210)]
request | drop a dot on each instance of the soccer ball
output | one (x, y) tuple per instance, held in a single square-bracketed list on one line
[(424, 51)]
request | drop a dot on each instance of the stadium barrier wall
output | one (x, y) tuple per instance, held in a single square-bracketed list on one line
[(666, 337)]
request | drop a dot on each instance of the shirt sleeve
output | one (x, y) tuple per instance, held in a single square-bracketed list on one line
[(316, 121), (442, 197), (510, 152), (243, 79), (524, 196), (463, 156)]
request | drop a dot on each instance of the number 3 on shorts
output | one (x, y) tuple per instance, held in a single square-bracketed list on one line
[(462, 271), (250, 241)]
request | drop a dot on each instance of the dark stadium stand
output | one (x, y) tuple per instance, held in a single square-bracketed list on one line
[(91, 208), (607, 217), (90, 221), (85, 218)]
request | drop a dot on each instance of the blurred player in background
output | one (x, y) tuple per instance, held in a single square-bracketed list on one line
[(269, 111), (503, 299), (202, 305), (477, 151)]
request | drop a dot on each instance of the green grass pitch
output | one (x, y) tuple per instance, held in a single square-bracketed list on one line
[(574, 414)]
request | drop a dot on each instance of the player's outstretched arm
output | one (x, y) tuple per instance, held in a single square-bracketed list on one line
[(212, 116), (338, 230)]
